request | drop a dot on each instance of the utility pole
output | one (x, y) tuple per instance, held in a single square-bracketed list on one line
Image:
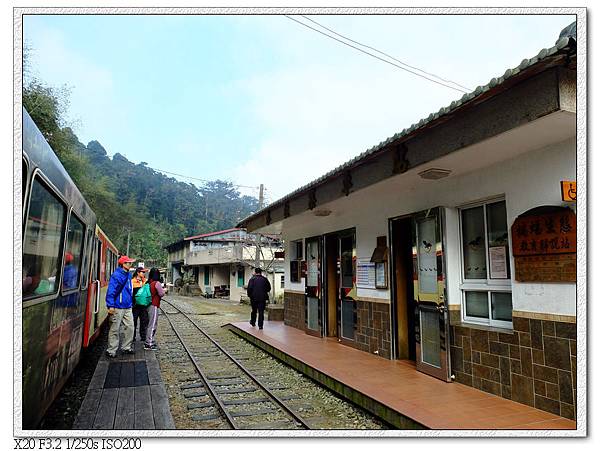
[(128, 232), (260, 206)]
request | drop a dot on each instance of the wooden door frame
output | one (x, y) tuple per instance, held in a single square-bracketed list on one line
[(394, 332)]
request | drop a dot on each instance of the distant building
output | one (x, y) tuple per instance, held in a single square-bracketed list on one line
[(221, 263), (452, 244)]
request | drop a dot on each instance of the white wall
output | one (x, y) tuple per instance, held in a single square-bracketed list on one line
[(527, 181)]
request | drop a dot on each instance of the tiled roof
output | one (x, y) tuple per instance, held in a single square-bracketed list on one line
[(210, 234), (567, 36)]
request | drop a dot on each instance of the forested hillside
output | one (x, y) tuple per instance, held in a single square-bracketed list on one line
[(133, 199)]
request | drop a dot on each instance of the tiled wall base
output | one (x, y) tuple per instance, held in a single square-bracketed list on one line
[(293, 305), (373, 328), (534, 364)]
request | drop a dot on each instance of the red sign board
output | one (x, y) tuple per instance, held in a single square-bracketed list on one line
[(545, 234)]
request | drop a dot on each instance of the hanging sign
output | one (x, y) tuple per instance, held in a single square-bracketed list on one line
[(545, 246), (569, 191)]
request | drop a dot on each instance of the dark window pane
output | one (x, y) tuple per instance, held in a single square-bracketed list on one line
[(73, 254), (502, 306), (348, 319), (24, 181), (473, 236), (347, 265), (86, 260), (476, 303), (42, 242)]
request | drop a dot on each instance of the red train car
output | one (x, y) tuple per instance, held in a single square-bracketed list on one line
[(66, 263)]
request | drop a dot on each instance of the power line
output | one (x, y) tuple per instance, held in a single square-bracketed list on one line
[(198, 179), (375, 56), (383, 53)]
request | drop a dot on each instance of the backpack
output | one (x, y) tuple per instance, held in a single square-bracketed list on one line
[(143, 297)]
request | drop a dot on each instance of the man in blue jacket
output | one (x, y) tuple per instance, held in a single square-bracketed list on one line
[(119, 300)]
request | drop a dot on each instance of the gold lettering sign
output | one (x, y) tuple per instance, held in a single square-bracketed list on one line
[(545, 246), (553, 233)]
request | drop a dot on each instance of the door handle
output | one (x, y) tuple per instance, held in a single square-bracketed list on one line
[(97, 304)]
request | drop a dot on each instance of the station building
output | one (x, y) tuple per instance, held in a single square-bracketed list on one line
[(453, 243), (221, 263)]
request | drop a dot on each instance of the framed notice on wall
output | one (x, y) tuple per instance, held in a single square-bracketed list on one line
[(365, 273), (380, 275), (498, 266)]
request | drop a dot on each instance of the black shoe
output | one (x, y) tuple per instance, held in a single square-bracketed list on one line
[(259, 327), (252, 324), (109, 355), (128, 351), (150, 348)]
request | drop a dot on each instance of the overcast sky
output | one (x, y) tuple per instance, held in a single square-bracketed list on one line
[(263, 99)]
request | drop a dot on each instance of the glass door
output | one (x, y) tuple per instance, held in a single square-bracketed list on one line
[(431, 312), (313, 292), (347, 286)]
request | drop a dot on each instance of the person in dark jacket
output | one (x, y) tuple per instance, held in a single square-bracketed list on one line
[(139, 311), (258, 291), (119, 300)]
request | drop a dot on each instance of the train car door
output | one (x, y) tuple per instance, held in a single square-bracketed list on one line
[(91, 320), (96, 276), (314, 286), (431, 328)]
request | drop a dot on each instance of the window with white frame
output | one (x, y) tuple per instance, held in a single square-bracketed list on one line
[(295, 258), (486, 287)]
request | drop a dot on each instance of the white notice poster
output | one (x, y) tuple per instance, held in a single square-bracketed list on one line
[(498, 267), (365, 273)]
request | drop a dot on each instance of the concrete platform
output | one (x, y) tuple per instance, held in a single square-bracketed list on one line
[(393, 389), (126, 392)]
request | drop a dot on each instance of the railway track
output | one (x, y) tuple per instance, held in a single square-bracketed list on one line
[(222, 391)]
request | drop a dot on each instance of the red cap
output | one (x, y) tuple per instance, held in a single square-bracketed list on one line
[(125, 259)]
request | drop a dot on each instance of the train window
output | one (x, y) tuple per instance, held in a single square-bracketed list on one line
[(24, 181), (42, 242), (86, 260), (73, 253), (98, 265), (108, 264)]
